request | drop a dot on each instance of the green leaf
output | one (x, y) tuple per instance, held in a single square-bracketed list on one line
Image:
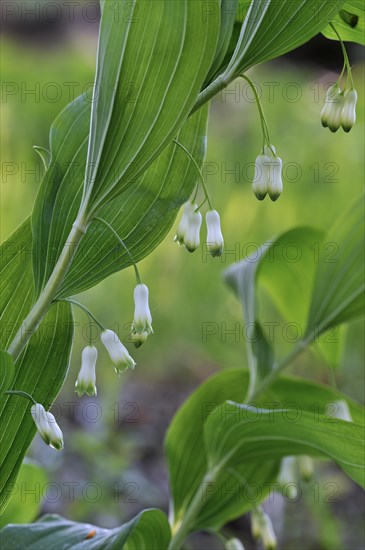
[(44, 154), (229, 9), (350, 23), (148, 531), (273, 28), (41, 368), (286, 270), (143, 95), (25, 503), (16, 282), (240, 433), (227, 496), (142, 215), (7, 371), (338, 294)]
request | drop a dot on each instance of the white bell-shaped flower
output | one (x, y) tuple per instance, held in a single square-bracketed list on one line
[(86, 379), (332, 111), (215, 239), (332, 92), (261, 528), (142, 322), (56, 436), (40, 418), (188, 209), (348, 115), (192, 234), (288, 476), (260, 184), (306, 467), (117, 352), (234, 544), (268, 536), (275, 168)]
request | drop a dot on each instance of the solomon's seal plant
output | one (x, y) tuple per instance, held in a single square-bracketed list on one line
[(117, 174)]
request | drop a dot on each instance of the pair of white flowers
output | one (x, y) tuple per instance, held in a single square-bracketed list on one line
[(47, 426), (339, 109), (188, 231), (118, 353), (262, 529), (268, 175)]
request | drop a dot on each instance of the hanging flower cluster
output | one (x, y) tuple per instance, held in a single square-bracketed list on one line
[(339, 109)]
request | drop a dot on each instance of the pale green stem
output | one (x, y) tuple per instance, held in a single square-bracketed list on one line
[(197, 169), (22, 394), (112, 230), (265, 128), (345, 56), (42, 305), (84, 308)]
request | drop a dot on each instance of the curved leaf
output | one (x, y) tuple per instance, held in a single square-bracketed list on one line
[(228, 496), (142, 215), (150, 69), (41, 368), (350, 23), (7, 372), (149, 530), (338, 294)]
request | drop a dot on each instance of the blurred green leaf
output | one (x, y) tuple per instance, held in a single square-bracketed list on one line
[(338, 294), (25, 502), (149, 530), (350, 23), (286, 267), (191, 453)]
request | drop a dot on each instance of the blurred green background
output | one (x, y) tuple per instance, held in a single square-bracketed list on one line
[(113, 464)]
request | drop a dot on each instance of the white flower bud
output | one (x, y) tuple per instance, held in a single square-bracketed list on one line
[(275, 167), (332, 111), (41, 421), (142, 316), (234, 544), (260, 184), (306, 467), (268, 536), (56, 436), (331, 93), (215, 239), (117, 352), (189, 208), (86, 379), (348, 115), (192, 234), (288, 477), (339, 409), (261, 528)]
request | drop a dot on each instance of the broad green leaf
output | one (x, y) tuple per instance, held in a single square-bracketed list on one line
[(16, 282), (239, 433), (285, 268), (142, 215), (273, 28), (150, 68), (350, 23), (229, 11), (39, 371), (41, 368), (149, 530), (338, 294), (228, 496), (25, 503), (6, 371)]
